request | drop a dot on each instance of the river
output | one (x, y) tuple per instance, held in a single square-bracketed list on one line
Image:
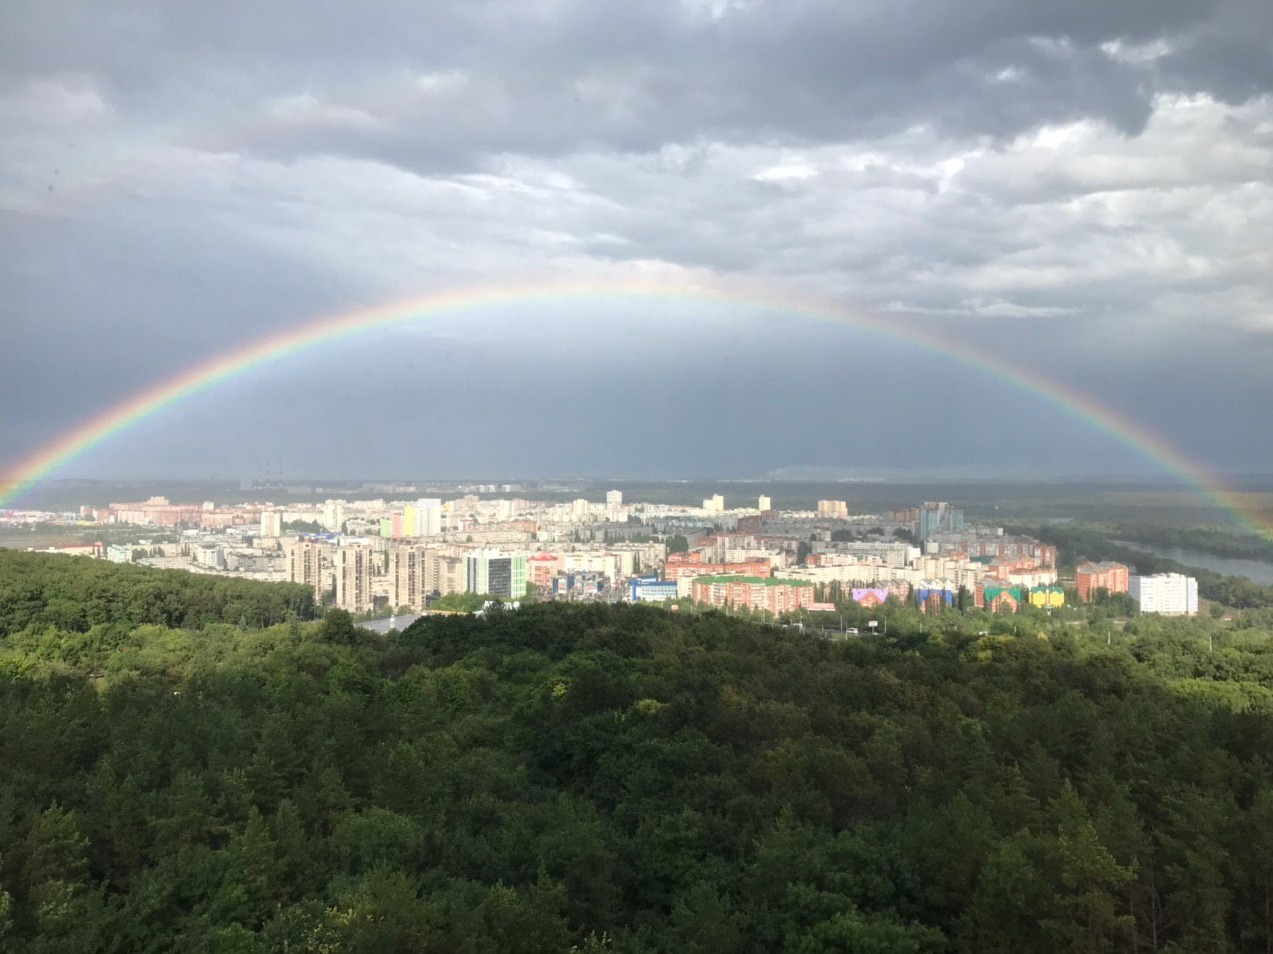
[(1259, 571)]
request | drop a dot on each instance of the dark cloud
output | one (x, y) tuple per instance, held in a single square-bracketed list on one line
[(1079, 189)]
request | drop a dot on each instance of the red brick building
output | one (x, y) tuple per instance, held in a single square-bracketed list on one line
[(756, 593), (691, 564), (1090, 577)]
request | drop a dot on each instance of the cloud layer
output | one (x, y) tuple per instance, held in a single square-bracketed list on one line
[(1082, 191)]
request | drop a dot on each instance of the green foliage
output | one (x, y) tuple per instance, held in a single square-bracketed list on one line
[(39, 590), (462, 602), (621, 778)]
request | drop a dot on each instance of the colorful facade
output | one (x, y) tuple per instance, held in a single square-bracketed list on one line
[(1090, 577), (1047, 597), (998, 598), (756, 593), (869, 596), (935, 595)]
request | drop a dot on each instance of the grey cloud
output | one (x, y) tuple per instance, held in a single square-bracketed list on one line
[(1081, 188), (552, 79)]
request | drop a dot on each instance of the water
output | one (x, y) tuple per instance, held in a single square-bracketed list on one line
[(1258, 571)]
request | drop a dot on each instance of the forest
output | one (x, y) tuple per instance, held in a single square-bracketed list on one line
[(49, 590), (618, 778)]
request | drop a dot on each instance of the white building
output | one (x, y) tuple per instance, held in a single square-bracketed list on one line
[(1171, 594)]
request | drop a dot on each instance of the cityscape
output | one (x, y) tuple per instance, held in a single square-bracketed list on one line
[(396, 558), (636, 477)]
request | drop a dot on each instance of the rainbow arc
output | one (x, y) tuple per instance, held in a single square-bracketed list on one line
[(65, 449)]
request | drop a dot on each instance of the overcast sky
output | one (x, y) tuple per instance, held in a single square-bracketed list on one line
[(1083, 191)]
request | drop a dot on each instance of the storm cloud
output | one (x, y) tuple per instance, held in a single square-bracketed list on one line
[(1082, 192)]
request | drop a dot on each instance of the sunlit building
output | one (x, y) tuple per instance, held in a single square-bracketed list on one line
[(1047, 597), (354, 568), (495, 573), (1090, 577), (1171, 594), (998, 598), (306, 563), (755, 593)]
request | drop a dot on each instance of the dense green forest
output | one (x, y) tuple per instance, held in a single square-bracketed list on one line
[(621, 778), (74, 594)]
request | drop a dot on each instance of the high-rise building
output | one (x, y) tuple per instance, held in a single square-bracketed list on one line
[(714, 504), (1171, 594), (407, 577), (271, 523), (496, 573), (935, 517), (765, 504), (307, 563), (833, 509), (354, 569), (428, 517), (334, 515), (443, 573), (614, 498)]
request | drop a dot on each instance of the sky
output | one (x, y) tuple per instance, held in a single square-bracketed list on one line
[(1080, 192)]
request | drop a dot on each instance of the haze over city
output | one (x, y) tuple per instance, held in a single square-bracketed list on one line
[(1078, 193)]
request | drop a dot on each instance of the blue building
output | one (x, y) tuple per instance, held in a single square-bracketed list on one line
[(649, 589)]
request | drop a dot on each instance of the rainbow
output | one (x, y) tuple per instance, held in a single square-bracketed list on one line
[(95, 431)]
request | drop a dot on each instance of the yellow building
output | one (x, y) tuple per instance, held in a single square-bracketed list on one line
[(1047, 597)]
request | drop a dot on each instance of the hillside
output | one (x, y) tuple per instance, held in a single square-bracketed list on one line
[(625, 779)]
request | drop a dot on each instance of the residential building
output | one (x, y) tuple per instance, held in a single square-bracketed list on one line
[(495, 573), (756, 593), (1047, 597), (1171, 594), (833, 509), (998, 598), (870, 596), (935, 517), (1090, 577), (443, 573), (934, 595), (649, 589), (306, 562), (692, 564), (407, 577), (354, 563)]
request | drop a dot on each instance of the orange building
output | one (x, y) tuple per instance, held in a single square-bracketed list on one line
[(756, 593), (542, 567), (691, 564), (1090, 577)]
